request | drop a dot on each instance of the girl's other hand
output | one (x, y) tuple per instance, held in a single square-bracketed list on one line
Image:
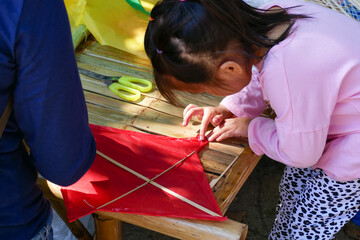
[(213, 115), (233, 127)]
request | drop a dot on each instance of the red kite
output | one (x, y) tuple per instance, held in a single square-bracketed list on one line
[(145, 174)]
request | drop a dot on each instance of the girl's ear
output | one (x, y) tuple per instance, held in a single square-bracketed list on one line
[(231, 67)]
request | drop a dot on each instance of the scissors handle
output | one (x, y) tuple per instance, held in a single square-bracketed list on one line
[(133, 82), (120, 89)]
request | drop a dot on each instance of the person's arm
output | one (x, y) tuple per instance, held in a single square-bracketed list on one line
[(249, 102), (303, 106), (49, 102)]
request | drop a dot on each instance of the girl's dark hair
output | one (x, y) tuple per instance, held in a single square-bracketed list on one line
[(183, 37)]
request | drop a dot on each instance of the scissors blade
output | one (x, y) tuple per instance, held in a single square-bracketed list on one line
[(107, 80)]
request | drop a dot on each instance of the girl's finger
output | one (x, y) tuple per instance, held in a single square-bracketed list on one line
[(188, 107), (188, 115), (185, 112), (207, 115), (215, 134), (224, 135), (217, 120)]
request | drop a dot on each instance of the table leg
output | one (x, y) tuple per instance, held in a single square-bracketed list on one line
[(107, 228)]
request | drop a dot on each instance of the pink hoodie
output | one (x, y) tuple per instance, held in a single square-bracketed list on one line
[(312, 80)]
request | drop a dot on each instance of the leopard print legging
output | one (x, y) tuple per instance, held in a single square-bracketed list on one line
[(313, 206)]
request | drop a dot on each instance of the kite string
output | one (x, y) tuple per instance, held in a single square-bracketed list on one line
[(142, 185)]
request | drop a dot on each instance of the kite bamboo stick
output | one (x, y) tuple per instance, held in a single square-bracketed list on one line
[(145, 183), (184, 199), (215, 180)]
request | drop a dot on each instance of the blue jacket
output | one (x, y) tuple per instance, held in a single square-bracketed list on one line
[(38, 65)]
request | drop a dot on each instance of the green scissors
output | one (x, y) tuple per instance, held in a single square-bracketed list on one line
[(133, 86)]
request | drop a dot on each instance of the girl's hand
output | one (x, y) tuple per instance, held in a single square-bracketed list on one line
[(215, 115), (233, 127)]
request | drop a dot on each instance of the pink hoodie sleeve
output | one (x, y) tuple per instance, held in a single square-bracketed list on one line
[(297, 149), (303, 106), (249, 102)]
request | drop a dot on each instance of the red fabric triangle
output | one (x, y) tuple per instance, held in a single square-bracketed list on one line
[(148, 155)]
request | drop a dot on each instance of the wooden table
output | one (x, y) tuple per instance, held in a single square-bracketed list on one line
[(153, 114)]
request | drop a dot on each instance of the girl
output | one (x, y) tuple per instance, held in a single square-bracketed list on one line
[(308, 63)]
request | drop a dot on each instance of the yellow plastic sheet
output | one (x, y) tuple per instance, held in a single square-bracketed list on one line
[(75, 9), (114, 23)]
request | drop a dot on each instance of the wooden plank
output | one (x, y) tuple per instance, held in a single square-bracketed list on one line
[(114, 104), (120, 68), (215, 161), (185, 228), (165, 107), (108, 72), (109, 115), (230, 149), (226, 190), (163, 124), (99, 120), (210, 176), (117, 55), (201, 99)]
